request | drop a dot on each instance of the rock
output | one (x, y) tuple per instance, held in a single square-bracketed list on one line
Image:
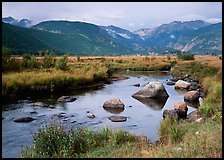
[(40, 104), (33, 112), (174, 79), (194, 86), (151, 90), (191, 96), (170, 114), (24, 101), (170, 83), (52, 106), (24, 119), (181, 109), (66, 99), (193, 104), (113, 103), (193, 116), (136, 85), (61, 115), (200, 120), (90, 115), (117, 118), (197, 133), (180, 84), (180, 106)]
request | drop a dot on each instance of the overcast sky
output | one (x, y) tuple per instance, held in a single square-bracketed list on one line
[(128, 15)]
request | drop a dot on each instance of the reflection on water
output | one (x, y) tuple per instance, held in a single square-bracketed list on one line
[(113, 110), (153, 103)]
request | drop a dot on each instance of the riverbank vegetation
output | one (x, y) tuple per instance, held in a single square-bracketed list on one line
[(182, 139)]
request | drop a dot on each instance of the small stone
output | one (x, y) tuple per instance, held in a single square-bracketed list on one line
[(90, 115), (200, 120), (197, 133), (117, 118)]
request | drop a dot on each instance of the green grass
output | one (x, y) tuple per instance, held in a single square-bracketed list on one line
[(54, 141)]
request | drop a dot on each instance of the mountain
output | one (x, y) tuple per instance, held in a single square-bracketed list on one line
[(76, 38), (22, 23), (80, 38), (178, 36), (125, 37), (205, 40)]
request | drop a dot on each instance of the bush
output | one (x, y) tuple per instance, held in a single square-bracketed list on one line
[(62, 63), (49, 60), (186, 56), (170, 130), (53, 141)]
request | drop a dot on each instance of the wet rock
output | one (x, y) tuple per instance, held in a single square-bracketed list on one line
[(90, 115), (95, 123), (130, 106), (24, 101), (174, 79), (170, 83), (193, 116), (40, 104), (24, 119), (33, 112), (193, 104), (151, 90), (136, 85), (117, 118), (191, 96), (52, 106), (61, 115), (66, 99), (180, 84), (113, 103), (73, 121), (170, 114), (194, 86), (180, 106)]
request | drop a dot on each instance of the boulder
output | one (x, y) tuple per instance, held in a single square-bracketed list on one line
[(193, 116), (180, 106), (181, 109), (170, 114), (191, 96), (66, 99), (180, 84), (24, 119), (40, 104), (113, 103), (151, 90), (117, 118)]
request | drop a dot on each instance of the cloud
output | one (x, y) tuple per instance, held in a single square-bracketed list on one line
[(213, 20), (128, 15)]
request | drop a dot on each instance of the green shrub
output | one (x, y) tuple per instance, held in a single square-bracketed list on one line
[(49, 60), (62, 63), (186, 56)]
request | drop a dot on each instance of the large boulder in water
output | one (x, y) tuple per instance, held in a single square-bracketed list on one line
[(113, 103), (153, 89)]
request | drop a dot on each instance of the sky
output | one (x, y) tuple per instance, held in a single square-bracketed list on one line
[(128, 15)]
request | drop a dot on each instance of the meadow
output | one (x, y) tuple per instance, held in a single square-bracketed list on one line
[(181, 139)]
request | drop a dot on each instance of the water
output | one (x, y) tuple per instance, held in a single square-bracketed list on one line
[(143, 118)]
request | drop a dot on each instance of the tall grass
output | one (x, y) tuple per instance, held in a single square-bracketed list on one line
[(54, 141)]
